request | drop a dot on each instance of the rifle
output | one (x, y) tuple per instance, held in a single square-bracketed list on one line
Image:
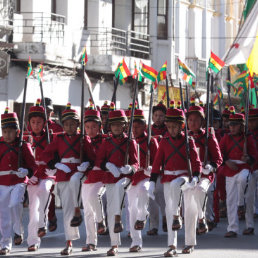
[(212, 106), (82, 116), (229, 98), (187, 147), (246, 118), (207, 118), (149, 129), (22, 123), (135, 84), (167, 92), (116, 80), (45, 110)]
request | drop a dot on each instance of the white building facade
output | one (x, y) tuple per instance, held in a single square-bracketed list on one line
[(54, 32)]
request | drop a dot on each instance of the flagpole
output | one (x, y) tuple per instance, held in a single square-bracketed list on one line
[(82, 115), (167, 90), (22, 122), (212, 104), (229, 98), (45, 110), (149, 127), (115, 88)]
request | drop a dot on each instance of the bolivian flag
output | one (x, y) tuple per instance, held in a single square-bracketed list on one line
[(216, 100), (29, 71), (40, 72), (188, 75), (215, 63), (162, 73), (148, 72)]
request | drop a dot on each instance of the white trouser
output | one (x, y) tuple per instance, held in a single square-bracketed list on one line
[(155, 205), (39, 200), (11, 207), (250, 199), (190, 216), (115, 194), (75, 188), (67, 201), (138, 208), (209, 214), (236, 189), (201, 196), (173, 197), (93, 209)]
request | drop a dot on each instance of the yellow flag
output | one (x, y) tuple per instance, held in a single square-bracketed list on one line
[(252, 62)]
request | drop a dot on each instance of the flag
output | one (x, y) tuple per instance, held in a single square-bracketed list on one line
[(215, 63), (40, 73), (162, 73), (148, 72), (163, 96), (193, 85), (84, 56), (135, 73), (240, 91), (29, 71), (220, 93), (216, 100), (241, 77), (123, 72), (188, 75), (242, 46)]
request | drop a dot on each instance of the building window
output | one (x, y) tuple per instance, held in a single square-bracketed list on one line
[(140, 16), (53, 10), (85, 14), (162, 15), (17, 6)]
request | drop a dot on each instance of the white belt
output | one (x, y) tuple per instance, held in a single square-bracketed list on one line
[(9, 172), (174, 173), (40, 162), (70, 160), (239, 162)]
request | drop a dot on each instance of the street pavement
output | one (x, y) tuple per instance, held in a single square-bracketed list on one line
[(211, 245)]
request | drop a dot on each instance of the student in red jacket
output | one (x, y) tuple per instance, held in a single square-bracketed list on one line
[(111, 158), (70, 172), (138, 197), (40, 184), (237, 169), (13, 181), (93, 187), (171, 155)]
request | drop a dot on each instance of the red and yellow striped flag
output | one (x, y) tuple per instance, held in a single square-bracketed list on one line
[(215, 63)]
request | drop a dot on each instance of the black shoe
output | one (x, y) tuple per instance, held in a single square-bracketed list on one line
[(177, 224), (76, 221), (42, 232), (202, 227), (118, 227), (52, 225), (33, 248), (248, 231), (211, 225), (4, 251), (18, 239), (230, 234)]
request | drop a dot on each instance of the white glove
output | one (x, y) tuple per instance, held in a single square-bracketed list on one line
[(63, 167), (193, 182), (50, 172), (112, 168), (83, 167), (151, 190), (147, 171), (185, 186), (22, 172), (207, 169), (127, 169), (33, 180)]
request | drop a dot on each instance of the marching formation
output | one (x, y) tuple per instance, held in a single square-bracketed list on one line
[(192, 172)]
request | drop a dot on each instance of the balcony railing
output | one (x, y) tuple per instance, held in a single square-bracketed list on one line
[(110, 41), (39, 27)]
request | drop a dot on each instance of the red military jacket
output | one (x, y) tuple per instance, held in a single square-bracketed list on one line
[(142, 143), (9, 161), (255, 136), (155, 130), (95, 176), (214, 154), (56, 128), (171, 155), (67, 147), (113, 150), (232, 148)]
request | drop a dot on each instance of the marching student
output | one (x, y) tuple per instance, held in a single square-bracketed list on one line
[(104, 110), (40, 184), (69, 172), (138, 197), (205, 186), (93, 187), (171, 155), (158, 129), (111, 158), (238, 158), (13, 181)]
